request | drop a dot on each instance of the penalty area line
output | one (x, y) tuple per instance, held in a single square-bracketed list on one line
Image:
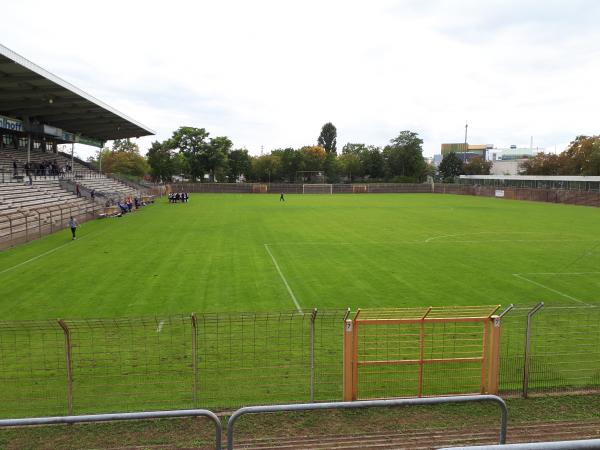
[(287, 286), (518, 275)]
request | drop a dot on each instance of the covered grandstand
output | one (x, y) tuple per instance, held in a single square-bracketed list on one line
[(38, 184), (566, 182)]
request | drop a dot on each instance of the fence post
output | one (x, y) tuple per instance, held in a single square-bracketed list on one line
[(313, 316), (195, 360), (530, 315), (67, 332), (494, 370), (422, 350), (348, 359)]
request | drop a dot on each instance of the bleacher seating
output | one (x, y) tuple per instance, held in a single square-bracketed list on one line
[(44, 203), (7, 155), (109, 187)]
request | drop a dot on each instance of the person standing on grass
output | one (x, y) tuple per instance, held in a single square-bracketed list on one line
[(73, 225), (281, 198)]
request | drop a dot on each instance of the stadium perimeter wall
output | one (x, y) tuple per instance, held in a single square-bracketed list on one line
[(572, 197)]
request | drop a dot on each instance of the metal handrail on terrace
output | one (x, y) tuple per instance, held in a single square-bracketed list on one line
[(119, 416), (369, 404)]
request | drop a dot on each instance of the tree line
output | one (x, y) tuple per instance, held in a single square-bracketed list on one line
[(582, 157), (193, 154)]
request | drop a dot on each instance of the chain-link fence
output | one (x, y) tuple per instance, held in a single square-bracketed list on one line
[(224, 361)]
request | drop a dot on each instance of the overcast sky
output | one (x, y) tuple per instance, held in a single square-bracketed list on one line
[(271, 73)]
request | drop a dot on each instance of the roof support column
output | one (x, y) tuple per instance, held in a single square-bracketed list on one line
[(28, 148)]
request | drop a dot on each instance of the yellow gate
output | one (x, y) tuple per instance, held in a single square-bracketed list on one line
[(404, 352)]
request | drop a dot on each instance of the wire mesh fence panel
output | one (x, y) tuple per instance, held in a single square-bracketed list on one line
[(132, 364), (253, 358), (32, 369), (455, 351), (565, 349), (512, 350), (328, 355)]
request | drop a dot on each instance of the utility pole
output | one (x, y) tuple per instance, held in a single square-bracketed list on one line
[(465, 147)]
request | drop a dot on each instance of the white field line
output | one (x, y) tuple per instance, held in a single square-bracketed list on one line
[(287, 286), (160, 325), (560, 273), (518, 275), (8, 269)]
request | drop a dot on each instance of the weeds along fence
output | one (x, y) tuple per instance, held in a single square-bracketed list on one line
[(224, 361), (572, 197)]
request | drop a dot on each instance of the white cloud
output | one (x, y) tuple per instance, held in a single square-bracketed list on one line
[(272, 72)]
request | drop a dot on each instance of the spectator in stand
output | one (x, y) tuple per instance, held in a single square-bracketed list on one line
[(93, 194), (14, 167), (77, 190)]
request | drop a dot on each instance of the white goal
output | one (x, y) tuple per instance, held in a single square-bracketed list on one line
[(317, 188)]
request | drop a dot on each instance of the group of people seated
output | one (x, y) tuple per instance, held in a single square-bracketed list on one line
[(175, 197), (128, 205)]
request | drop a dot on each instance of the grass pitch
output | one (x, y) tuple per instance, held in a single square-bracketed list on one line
[(222, 253)]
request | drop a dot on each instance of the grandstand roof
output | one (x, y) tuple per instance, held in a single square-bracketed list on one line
[(27, 90)]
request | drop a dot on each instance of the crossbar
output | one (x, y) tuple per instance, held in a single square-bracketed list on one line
[(369, 404), (393, 362), (119, 416), (420, 320)]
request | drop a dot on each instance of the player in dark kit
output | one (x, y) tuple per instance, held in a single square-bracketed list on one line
[(281, 199)]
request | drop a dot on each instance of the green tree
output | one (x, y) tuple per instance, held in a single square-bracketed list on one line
[(541, 164), (328, 138), (371, 160), (581, 157), (477, 166), (350, 165), (450, 167), (125, 145), (266, 168), (239, 164), (313, 157), (215, 157), (124, 158), (161, 161), (404, 157), (193, 144), (291, 161)]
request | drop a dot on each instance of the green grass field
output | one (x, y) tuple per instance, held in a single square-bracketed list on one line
[(220, 253), (150, 270)]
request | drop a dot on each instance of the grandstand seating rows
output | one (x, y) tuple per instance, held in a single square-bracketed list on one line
[(46, 202), (7, 155)]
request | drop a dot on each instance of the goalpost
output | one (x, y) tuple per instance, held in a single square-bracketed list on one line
[(317, 188)]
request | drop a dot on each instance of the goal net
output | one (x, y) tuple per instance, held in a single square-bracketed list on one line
[(317, 188), (259, 188), (358, 188)]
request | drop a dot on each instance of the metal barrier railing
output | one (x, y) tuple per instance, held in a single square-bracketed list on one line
[(120, 416), (587, 444), (369, 404)]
